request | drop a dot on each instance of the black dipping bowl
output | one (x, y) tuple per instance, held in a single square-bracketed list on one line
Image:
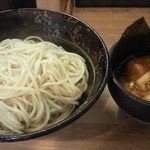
[(137, 108), (75, 36)]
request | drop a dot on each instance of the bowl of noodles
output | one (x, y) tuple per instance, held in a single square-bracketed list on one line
[(53, 68), (130, 71)]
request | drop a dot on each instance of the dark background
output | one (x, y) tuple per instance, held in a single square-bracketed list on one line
[(112, 3), (13, 4)]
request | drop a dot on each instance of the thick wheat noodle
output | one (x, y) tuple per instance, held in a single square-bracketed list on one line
[(40, 84)]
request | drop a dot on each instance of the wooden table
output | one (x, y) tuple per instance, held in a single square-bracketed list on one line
[(104, 126)]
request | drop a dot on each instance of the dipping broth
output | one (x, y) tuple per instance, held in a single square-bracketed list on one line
[(134, 76)]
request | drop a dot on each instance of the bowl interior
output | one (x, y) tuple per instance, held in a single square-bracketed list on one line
[(75, 36)]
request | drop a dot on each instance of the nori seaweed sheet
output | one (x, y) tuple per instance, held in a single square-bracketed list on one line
[(136, 36), (134, 40)]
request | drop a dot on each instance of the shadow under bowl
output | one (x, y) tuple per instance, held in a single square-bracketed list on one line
[(72, 34), (134, 106)]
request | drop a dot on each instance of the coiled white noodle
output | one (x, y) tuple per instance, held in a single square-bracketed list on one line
[(40, 84)]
